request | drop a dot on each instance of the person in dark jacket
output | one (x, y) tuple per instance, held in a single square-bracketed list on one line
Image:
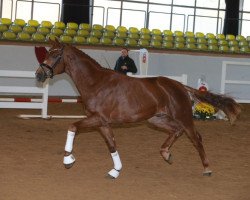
[(124, 63)]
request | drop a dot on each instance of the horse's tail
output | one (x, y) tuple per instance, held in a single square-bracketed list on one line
[(228, 105)]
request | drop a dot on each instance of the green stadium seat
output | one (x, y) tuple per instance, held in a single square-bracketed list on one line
[(190, 46), (243, 43), (23, 36), (38, 37), (56, 31), (156, 37), (213, 47), (248, 38), (220, 37), (179, 39), (189, 34), (230, 37), (168, 38), (244, 49), (109, 34), (133, 30), (19, 22), (106, 41), (233, 43), (15, 28), (121, 29), (201, 47), (79, 40), (234, 49), (190, 40), (131, 42), (84, 26), (66, 39), (133, 36), (5, 21), (167, 44), (93, 40), (223, 42), (210, 36), (122, 35), (240, 38), (201, 40), (145, 36), (59, 25), (223, 48), (199, 35), (143, 43), (72, 25), (179, 45), (155, 44), (9, 35), (118, 41), (212, 41), (51, 36)]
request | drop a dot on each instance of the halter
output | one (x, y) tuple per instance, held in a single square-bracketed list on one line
[(50, 73)]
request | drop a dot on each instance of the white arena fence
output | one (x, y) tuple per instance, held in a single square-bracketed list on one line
[(43, 103), (234, 81)]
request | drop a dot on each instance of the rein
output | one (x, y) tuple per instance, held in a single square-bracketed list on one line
[(50, 73)]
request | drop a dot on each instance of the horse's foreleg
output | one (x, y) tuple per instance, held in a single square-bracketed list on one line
[(69, 159), (108, 136)]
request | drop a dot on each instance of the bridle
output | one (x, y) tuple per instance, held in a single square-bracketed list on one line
[(50, 72)]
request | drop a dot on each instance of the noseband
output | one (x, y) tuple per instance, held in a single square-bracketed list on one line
[(50, 72)]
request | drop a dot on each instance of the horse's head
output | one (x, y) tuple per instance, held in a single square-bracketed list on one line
[(53, 62)]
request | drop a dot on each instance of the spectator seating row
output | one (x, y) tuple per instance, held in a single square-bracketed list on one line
[(81, 34)]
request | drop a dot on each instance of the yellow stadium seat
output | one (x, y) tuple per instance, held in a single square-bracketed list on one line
[(23, 36), (82, 33), (133, 36), (143, 43), (9, 35), (213, 47), (155, 44), (109, 28), (199, 35), (156, 32), (190, 40), (15, 28), (85, 26), (243, 43), (131, 42), (145, 36), (201, 47), (168, 38), (59, 25), (240, 38), (167, 33), (96, 33), (189, 34), (38, 37), (72, 25), (79, 40), (222, 42), (248, 38), (145, 31), (190, 46), (33, 23), (66, 39), (230, 37), (201, 40), (122, 35), (156, 37), (211, 41), (234, 49), (223, 48), (167, 44), (210, 36), (121, 29), (133, 30), (109, 34), (43, 30), (46, 24), (179, 39), (244, 49), (5, 21), (29, 29), (3, 28), (118, 41), (97, 27), (19, 22), (69, 32), (233, 43), (56, 31), (106, 41), (179, 45), (93, 40), (51, 36), (220, 37), (178, 34)]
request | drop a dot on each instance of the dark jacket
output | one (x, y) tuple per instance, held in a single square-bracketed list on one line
[(127, 61)]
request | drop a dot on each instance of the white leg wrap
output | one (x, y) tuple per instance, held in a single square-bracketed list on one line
[(69, 142), (117, 165), (68, 159)]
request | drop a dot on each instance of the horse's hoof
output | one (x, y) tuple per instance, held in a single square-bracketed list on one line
[(68, 166), (113, 174), (207, 173), (169, 160)]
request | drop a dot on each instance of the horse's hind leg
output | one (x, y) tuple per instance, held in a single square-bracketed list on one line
[(108, 136), (174, 130), (196, 139)]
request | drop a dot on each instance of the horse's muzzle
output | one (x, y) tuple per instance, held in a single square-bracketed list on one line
[(41, 77)]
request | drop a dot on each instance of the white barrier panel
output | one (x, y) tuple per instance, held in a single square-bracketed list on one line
[(25, 90), (182, 79), (225, 81)]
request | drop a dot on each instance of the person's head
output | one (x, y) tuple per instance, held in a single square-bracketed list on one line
[(124, 52)]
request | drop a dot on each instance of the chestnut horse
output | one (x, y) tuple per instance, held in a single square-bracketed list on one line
[(109, 97)]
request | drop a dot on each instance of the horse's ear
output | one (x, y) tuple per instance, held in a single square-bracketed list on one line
[(40, 54)]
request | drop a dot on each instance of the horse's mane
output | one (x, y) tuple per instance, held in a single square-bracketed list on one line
[(91, 59)]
